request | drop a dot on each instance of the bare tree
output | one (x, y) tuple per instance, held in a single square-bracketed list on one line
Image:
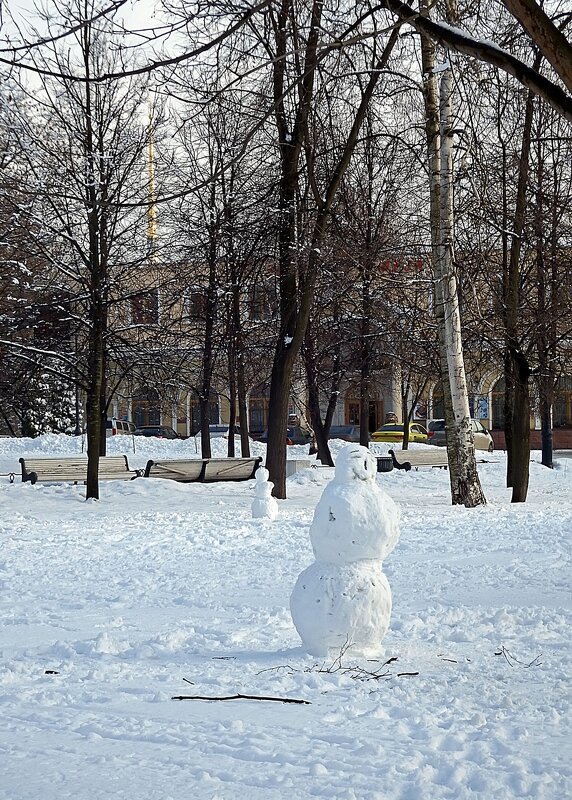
[(84, 150)]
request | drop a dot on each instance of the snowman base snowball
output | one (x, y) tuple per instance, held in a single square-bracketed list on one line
[(336, 607)]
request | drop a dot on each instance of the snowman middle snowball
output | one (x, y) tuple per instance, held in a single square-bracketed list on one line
[(343, 598)]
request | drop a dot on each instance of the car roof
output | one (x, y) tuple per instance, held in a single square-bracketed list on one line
[(152, 427)]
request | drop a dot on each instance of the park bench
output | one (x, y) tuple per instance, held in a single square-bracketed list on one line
[(203, 470), (430, 457), (74, 470)]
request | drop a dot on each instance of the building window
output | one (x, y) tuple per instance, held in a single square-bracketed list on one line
[(352, 413), (213, 412), (145, 307), (260, 303), (437, 403), (497, 398), (195, 304), (562, 406), (258, 409), (146, 406)]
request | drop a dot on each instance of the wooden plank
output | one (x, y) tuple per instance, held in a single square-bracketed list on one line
[(187, 470), (230, 469), (406, 459), (74, 470), (207, 470)]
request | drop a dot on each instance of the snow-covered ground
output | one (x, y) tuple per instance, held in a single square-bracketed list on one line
[(109, 610)]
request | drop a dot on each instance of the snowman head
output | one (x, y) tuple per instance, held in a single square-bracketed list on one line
[(355, 462), (262, 475)]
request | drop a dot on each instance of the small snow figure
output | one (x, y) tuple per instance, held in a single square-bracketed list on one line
[(263, 505), (343, 598)]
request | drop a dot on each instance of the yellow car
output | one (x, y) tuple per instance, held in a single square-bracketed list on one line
[(394, 433)]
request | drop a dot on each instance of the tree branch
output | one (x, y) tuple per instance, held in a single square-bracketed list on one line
[(462, 42), (242, 697)]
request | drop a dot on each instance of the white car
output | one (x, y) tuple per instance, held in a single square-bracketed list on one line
[(483, 439)]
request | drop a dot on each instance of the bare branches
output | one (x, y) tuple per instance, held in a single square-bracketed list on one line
[(512, 660), (458, 40), (151, 66), (551, 42)]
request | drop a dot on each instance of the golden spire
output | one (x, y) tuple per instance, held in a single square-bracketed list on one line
[(152, 208)]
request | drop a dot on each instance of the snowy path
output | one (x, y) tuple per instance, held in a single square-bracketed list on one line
[(126, 598)]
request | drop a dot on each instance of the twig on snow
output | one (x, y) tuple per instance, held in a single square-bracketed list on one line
[(354, 671), (243, 697), (512, 660)]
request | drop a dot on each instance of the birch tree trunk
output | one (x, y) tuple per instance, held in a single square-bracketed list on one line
[(466, 488), (464, 480)]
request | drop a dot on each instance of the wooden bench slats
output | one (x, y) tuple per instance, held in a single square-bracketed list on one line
[(203, 470), (74, 470), (406, 459), (217, 469), (435, 457)]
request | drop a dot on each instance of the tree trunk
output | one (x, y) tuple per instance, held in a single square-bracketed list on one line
[(521, 430), (242, 405), (96, 346), (103, 400), (320, 433), (208, 348), (463, 476), (406, 416), (461, 450), (93, 407), (432, 133), (547, 443), (232, 401), (546, 312), (365, 360), (508, 409), (294, 320), (517, 370), (280, 382)]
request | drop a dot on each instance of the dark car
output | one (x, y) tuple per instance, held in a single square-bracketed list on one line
[(347, 433), (294, 435), (160, 431), (222, 431)]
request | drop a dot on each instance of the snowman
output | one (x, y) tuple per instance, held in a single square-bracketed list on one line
[(263, 505), (343, 599)]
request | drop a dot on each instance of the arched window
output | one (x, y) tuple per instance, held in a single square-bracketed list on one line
[(497, 416), (213, 411), (437, 403), (258, 408), (562, 406), (146, 406)]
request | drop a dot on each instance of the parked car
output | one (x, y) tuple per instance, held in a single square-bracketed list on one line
[(294, 435), (116, 426), (347, 433), (222, 430), (394, 433), (160, 431), (483, 440)]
